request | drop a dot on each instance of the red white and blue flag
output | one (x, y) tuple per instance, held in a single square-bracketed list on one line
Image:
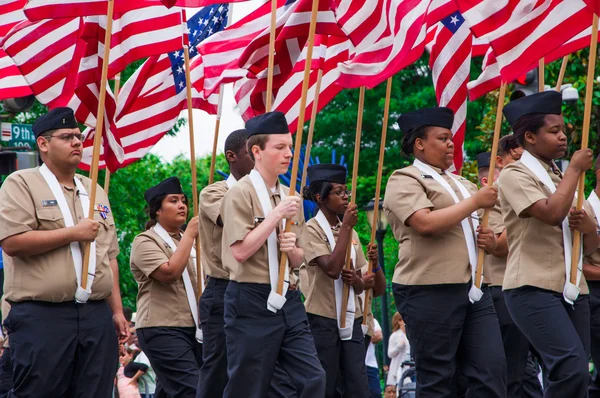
[(12, 82), (153, 97), (450, 63)]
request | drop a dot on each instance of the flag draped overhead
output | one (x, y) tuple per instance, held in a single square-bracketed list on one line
[(153, 97), (12, 82), (450, 63)]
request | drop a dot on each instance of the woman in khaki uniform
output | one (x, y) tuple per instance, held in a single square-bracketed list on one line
[(536, 199), (451, 324), (163, 264), (325, 239)]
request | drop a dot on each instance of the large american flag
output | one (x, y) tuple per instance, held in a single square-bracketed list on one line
[(153, 97), (218, 62), (45, 53), (12, 82), (450, 63), (522, 32), (250, 94), (291, 37), (48, 9), (388, 36)]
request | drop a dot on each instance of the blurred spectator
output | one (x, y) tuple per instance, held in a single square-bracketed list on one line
[(398, 350), (128, 386), (371, 361)]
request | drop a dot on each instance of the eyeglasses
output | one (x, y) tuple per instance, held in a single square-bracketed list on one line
[(68, 137), (342, 192)]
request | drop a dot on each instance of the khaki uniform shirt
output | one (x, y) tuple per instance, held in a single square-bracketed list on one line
[(158, 303), (494, 267), (320, 296), (425, 260), (241, 212), (211, 229), (536, 253), (593, 259), (27, 204)]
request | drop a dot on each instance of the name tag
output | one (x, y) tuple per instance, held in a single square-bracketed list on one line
[(426, 177), (47, 203)]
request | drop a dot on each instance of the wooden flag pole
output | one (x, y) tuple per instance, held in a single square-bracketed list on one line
[(490, 183), (561, 75), (384, 127), (186, 53), (98, 136), (299, 129), (311, 129), (587, 114), (359, 119), (116, 93), (213, 160), (271, 59), (541, 76)]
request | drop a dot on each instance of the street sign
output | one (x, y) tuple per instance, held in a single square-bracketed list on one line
[(20, 134)]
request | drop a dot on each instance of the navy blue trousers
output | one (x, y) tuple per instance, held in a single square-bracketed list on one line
[(451, 336), (559, 332), (521, 377), (595, 335), (62, 349), (176, 358), (258, 339), (343, 359)]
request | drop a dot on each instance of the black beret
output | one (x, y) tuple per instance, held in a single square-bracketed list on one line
[(483, 160), (57, 118), (548, 102), (439, 117), (327, 172), (169, 186), (268, 123)]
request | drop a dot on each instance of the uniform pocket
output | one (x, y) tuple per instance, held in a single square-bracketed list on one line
[(105, 231), (50, 218)]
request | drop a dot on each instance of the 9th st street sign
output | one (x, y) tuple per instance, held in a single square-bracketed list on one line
[(18, 135)]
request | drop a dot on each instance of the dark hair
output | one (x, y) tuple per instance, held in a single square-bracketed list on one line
[(408, 141), (506, 144), (258, 139), (48, 136), (531, 122), (236, 141), (153, 207), (322, 188)]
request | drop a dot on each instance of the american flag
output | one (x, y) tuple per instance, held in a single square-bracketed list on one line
[(218, 62), (450, 64), (48, 9), (12, 82), (153, 97), (490, 78), (45, 53), (522, 32), (250, 94), (193, 3), (136, 34), (291, 36), (388, 36)]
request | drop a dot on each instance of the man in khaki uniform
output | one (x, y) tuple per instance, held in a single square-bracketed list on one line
[(263, 327), (62, 337), (591, 269), (213, 374), (522, 375)]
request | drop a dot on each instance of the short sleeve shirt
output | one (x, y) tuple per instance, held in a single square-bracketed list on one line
[(159, 303), (320, 296), (425, 260), (29, 205), (494, 267), (211, 229), (241, 212), (594, 258), (536, 252)]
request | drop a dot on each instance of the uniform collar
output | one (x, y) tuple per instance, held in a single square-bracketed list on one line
[(551, 168)]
